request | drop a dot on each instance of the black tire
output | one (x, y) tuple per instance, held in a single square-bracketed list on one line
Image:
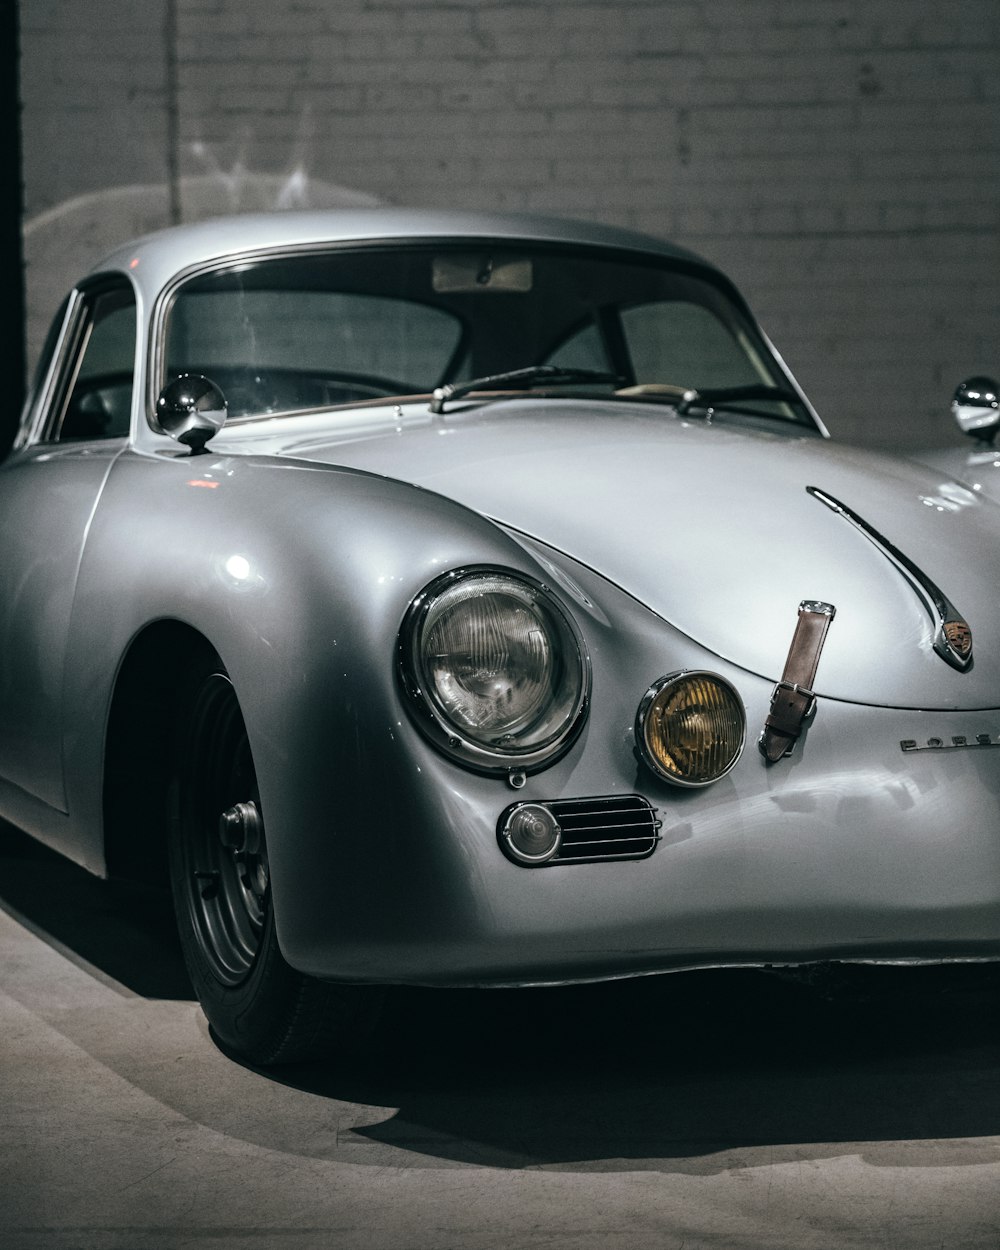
[(258, 1007)]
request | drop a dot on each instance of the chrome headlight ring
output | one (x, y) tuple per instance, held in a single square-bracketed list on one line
[(495, 671), (690, 728)]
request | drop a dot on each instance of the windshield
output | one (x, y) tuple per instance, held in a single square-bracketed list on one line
[(313, 330)]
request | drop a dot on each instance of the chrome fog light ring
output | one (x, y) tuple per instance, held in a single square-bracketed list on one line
[(690, 728)]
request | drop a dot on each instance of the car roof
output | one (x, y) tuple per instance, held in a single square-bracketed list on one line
[(154, 259)]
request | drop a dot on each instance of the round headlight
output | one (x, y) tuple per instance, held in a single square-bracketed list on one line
[(495, 667), (691, 728)]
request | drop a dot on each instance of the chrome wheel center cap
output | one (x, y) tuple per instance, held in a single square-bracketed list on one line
[(240, 828)]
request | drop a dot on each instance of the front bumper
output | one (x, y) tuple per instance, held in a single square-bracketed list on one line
[(853, 848)]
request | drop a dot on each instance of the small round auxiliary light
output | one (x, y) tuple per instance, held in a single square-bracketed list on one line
[(691, 728), (530, 834)]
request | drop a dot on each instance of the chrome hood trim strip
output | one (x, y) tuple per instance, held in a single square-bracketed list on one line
[(952, 635)]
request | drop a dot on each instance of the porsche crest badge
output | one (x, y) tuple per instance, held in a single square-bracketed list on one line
[(958, 635)]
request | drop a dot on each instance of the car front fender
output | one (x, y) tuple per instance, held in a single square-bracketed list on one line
[(298, 575)]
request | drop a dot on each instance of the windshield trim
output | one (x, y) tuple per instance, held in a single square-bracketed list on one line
[(703, 271)]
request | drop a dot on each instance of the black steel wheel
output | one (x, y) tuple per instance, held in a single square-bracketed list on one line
[(257, 1005)]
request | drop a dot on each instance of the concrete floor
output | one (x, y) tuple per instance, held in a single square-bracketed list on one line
[(724, 1110)]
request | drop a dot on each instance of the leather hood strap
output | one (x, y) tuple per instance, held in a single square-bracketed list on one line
[(792, 699)]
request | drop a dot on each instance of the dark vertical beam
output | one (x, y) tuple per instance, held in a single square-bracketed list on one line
[(11, 214), (173, 111)]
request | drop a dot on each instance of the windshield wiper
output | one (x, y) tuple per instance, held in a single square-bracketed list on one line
[(721, 395), (531, 376)]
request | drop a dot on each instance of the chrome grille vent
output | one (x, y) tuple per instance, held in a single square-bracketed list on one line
[(605, 827)]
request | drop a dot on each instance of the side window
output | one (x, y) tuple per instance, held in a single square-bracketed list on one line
[(38, 396), (99, 402)]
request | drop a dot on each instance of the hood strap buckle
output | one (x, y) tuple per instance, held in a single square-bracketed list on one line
[(792, 699)]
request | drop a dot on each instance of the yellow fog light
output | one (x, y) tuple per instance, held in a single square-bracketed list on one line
[(690, 728)]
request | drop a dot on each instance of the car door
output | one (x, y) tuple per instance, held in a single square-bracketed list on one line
[(75, 423)]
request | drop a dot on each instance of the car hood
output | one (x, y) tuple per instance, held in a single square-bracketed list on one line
[(711, 527)]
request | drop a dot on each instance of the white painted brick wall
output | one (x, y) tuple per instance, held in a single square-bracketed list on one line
[(841, 158)]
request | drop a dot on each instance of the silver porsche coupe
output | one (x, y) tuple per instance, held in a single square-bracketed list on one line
[(470, 600)]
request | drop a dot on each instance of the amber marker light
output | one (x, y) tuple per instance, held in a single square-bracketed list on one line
[(691, 728)]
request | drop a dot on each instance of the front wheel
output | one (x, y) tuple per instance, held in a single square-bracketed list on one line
[(257, 1005)]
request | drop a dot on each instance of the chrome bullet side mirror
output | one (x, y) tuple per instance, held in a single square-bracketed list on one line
[(976, 408), (191, 409)]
